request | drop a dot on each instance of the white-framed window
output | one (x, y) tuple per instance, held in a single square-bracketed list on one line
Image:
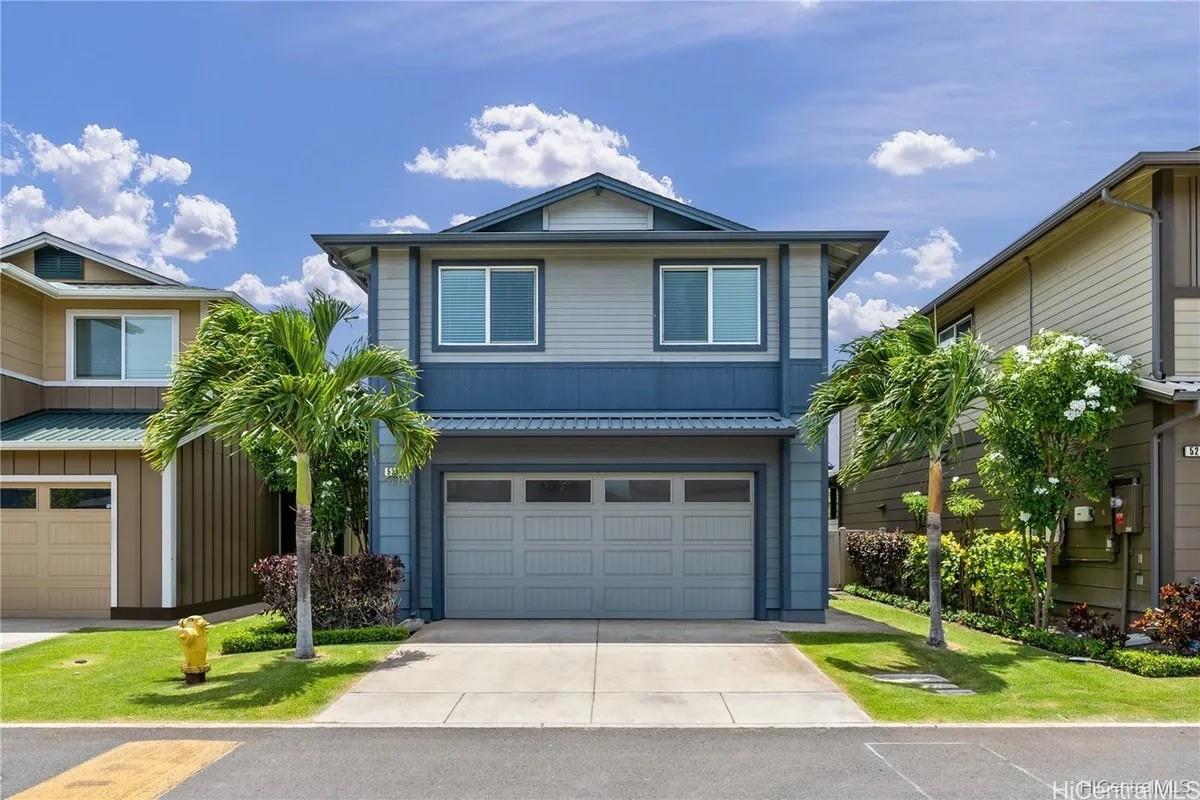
[(488, 305), (710, 304), (954, 330), (121, 346)]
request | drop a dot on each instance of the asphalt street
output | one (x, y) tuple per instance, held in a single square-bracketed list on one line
[(854, 762)]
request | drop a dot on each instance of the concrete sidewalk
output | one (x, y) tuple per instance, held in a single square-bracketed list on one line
[(595, 673), (20, 631)]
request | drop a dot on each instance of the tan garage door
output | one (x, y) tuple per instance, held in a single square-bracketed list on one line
[(55, 549)]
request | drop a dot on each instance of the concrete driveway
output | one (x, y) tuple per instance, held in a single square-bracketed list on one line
[(595, 673)]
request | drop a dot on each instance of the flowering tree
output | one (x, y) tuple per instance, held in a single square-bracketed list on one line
[(1046, 428)]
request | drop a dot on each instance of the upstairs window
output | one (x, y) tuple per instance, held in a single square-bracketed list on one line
[(488, 305), (122, 347), (53, 264), (710, 305), (951, 332)]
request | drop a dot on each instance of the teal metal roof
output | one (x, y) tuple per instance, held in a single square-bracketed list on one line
[(683, 423), (120, 428)]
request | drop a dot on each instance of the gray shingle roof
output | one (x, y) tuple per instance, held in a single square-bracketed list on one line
[(121, 428), (600, 423)]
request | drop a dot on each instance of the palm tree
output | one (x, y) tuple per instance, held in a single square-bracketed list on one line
[(255, 374), (910, 395)]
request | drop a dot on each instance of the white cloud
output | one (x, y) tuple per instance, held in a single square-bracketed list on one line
[(934, 258), (11, 165), (160, 168), (851, 316), (200, 226), (315, 273), (530, 148), (885, 278), (459, 219), (104, 182), (409, 223), (914, 152)]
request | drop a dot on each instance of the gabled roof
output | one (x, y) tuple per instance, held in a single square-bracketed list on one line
[(117, 291), (1151, 159), (598, 180), (43, 238)]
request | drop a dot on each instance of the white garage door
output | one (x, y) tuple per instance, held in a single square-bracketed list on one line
[(55, 549), (647, 545)]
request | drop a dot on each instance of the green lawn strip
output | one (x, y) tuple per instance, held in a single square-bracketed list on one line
[(134, 675), (1013, 682)]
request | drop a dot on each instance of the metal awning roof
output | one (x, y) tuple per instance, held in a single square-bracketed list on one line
[(682, 423), (74, 430), (1171, 390)]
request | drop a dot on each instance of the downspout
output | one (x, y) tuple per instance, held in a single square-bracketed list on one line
[(1156, 359), (1155, 502)]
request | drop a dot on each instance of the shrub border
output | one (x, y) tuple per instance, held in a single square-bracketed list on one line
[(261, 639), (1146, 663)]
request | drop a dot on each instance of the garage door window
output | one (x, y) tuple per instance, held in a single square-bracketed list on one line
[(478, 491), (80, 498), (711, 490), (18, 498), (558, 491), (637, 491)]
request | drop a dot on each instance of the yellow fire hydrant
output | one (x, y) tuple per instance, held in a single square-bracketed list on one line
[(193, 637)]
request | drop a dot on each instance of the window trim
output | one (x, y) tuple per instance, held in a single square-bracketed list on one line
[(121, 314), (537, 266), (662, 265), (969, 316)]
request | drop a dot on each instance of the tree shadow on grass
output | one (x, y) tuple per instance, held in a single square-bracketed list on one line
[(272, 682), (981, 672)]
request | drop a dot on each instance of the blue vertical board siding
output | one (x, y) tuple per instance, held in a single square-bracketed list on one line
[(807, 484)]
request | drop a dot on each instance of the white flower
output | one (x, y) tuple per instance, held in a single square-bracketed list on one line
[(1093, 349), (1091, 390), (1039, 490), (1053, 481), (1125, 362), (1111, 409), (1025, 516), (1022, 352), (1093, 403)]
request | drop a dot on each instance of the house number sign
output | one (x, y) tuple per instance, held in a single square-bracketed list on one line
[(1191, 451)]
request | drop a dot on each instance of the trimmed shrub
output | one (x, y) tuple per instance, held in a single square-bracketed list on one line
[(916, 568), (996, 578), (1152, 664), (1175, 624), (878, 556), (347, 591), (272, 638)]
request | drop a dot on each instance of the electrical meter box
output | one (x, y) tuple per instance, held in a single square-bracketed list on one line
[(1128, 517)]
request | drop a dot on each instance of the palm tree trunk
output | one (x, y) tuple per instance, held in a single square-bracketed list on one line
[(933, 535), (304, 633)]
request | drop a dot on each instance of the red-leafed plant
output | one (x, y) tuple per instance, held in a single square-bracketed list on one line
[(1083, 620), (1176, 622), (347, 591)]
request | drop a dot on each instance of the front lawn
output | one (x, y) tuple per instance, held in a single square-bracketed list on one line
[(1013, 682), (134, 675)]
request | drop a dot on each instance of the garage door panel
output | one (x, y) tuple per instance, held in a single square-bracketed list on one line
[(56, 561), (638, 562), (713, 528), (480, 529), (637, 529), (558, 529), (611, 556)]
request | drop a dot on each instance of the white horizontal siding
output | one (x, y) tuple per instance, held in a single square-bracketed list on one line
[(599, 304), (805, 296), (393, 301), (603, 211), (1187, 336)]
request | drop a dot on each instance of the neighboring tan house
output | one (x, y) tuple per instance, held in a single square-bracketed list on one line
[(1119, 263), (615, 377), (87, 527)]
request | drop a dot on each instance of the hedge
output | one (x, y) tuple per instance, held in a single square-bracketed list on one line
[(1147, 663), (347, 591), (271, 638)]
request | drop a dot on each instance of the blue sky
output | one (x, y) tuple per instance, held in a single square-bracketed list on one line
[(223, 135)]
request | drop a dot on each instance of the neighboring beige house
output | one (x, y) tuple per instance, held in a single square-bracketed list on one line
[(87, 528), (1119, 263)]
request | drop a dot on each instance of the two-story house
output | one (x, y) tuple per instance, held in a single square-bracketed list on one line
[(87, 527), (614, 376), (1119, 263)]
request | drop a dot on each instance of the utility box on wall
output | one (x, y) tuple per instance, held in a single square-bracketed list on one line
[(1128, 515)]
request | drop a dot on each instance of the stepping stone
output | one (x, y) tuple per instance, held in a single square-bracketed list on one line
[(933, 683), (955, 692)]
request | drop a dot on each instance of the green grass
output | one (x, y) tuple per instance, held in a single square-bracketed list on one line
[(1013, 682), (134, 675)]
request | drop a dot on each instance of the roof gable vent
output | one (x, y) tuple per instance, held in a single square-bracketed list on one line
[(56, 264)]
